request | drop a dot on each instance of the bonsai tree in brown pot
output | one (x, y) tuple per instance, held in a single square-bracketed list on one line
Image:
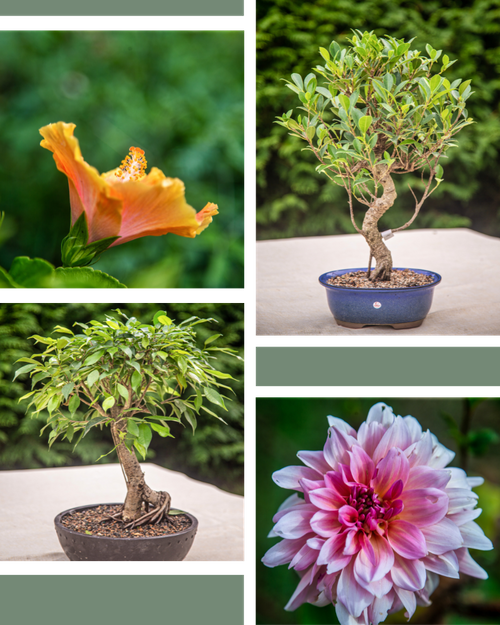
[(134, 378), (376, 109)]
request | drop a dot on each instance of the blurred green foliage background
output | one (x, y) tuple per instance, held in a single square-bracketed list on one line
[(214, 454), (177, 95), (286, 426), (292, 199)]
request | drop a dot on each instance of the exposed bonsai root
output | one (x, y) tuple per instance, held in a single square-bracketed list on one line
[(157, 514), (381, 272)]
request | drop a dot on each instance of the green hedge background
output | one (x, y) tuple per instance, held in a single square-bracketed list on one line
[(214, 454), (292, 199), (177, 95)]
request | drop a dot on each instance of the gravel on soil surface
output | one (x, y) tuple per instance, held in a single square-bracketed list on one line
[(399, 279)]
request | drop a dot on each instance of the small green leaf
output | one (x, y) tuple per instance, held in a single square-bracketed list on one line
[(141, 449), (213, 396), (161, 430), (66, 390), (136, 381), (310, 132), (123, 391), (24, 369), (297, 79), (74, 404), (160, 313), (132, 428), (324, 53), (439, 171), (92, 378), (165, 320), (108, 403), (93, 358), (212, 338), (191, 419), (112, 324), (365, 123), (145, 435)]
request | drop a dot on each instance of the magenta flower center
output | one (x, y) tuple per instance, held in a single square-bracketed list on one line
[(367, 511)]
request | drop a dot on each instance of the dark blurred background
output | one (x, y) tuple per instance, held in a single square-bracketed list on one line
[(214, 454), (469, 427), (292, 199), (177, 95)]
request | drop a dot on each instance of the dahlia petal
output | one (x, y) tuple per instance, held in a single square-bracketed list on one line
[(446, 564), (420, 453), (302, 505), (348, 516), (408, 599), (354, 597), (384, 559), (352, 542), (468, 565), (426, 477), (303, 558), (370, 435), (414, 428), (315, 542), (348, 619), (379, 588), (406, 539), (465, 515), (394, 491), (408, 574), (381, 413), (397, 435), (458, 478), (394, 466), (333, 556), (309, 485), (336, 447), (474, 537), (441, 455), (326, 499), (300, 595), (340, 424), (442, 537), (424, 506), (315, 460), (461, 499), (475, 481), (379, 609), (325, 523), (291, 501), (362, 467), (294, 524), (335, 481), (283, 552), (431, 583), (289, 477)]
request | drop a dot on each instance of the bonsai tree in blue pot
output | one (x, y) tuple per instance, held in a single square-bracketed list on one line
[(373, 110)]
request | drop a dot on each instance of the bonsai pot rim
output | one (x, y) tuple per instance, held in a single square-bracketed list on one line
[(400, 307), (115, 542)]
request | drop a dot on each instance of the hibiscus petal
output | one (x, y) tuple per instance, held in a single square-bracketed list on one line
[(406, 539)]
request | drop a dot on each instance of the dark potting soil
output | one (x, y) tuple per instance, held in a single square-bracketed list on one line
[(96, 522), (399, 279)]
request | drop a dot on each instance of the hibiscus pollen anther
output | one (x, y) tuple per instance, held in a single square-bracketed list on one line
[(133, 166)]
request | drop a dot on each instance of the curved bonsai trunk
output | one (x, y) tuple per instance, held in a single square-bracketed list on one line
[(370, 231), (139, 496)]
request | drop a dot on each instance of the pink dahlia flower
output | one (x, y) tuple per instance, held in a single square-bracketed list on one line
[(380, 519)]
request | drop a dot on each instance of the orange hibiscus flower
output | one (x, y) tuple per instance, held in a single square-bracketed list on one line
[(125, 202)]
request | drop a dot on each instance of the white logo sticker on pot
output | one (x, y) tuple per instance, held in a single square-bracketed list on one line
[(377, 305)]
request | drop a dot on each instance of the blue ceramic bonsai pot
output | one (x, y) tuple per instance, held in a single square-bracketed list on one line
[(358, 307)]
